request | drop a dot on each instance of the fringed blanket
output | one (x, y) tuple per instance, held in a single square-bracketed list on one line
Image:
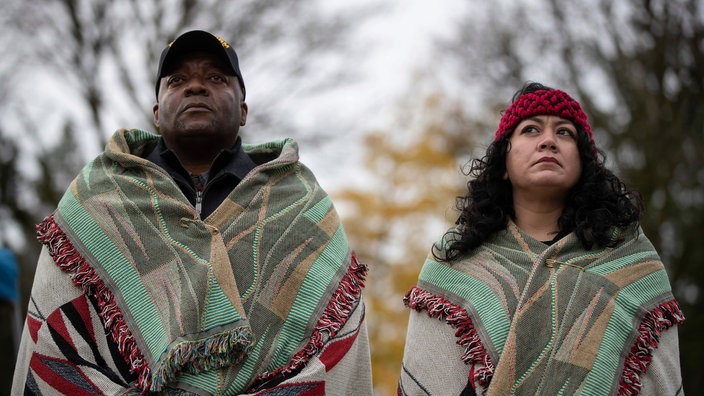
[(238, 302), (529, 319)]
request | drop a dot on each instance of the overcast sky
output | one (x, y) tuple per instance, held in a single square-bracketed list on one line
[(398, 41)]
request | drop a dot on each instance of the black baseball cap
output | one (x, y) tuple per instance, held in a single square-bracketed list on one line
[(199, 40)]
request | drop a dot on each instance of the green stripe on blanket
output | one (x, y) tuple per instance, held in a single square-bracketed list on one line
[(76, 220), (484, 299), (622, 326), (318, 277)]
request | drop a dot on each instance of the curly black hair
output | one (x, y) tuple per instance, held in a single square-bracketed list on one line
[(598, 202)]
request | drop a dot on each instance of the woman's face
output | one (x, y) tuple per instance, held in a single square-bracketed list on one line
[(543, 158)]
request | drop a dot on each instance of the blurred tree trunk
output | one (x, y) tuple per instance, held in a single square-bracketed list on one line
[(637, 68)]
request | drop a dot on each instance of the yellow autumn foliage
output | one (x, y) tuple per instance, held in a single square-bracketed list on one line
[(405, 204)]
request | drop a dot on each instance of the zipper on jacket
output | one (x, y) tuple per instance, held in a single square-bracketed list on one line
[(199, 183), (199, 200)]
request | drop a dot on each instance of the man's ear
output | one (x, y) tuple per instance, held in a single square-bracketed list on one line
[(244, 109), (155, 109)]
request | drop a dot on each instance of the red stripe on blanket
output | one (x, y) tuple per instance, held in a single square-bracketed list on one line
[(81, 306), (56, 323), (33, 326), (335, 351), (63, 376)]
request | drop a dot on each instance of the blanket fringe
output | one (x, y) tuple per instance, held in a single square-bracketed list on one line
[(70, 261), (334, 317), (192, 356), (440, 308), (220, 350), (655, 322)]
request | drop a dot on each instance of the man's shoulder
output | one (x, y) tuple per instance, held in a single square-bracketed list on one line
[(132, 141), (285, 149)]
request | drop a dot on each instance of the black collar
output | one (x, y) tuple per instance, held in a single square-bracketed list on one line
[(232, 161)]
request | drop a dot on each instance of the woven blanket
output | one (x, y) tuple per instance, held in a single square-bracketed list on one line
[(219, 305), (532, 319)]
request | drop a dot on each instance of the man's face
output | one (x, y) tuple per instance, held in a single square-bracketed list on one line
[(200, 102)]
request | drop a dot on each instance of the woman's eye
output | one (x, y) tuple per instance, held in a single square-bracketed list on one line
[(529, 129), (566, 132)]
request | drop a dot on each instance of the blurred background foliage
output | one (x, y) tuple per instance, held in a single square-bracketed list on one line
[(635, 65)]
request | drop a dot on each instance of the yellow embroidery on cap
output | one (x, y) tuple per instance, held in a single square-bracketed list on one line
[(223, 42)]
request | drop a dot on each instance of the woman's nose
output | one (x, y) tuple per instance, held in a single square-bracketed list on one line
[(548, 141)]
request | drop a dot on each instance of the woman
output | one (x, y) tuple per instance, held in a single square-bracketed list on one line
[(547, 284)]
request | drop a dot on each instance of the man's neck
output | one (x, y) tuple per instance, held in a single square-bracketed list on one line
[(195, 167), (198, 157)]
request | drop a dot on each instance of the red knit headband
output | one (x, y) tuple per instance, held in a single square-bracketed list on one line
[(543, 102)]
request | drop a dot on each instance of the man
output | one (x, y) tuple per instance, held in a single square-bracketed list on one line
[(212, 266)]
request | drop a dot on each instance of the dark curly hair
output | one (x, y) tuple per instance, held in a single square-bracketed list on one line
[(598, 202)]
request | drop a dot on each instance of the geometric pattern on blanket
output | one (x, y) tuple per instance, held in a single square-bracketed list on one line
[(607, 308), (73, 326)]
